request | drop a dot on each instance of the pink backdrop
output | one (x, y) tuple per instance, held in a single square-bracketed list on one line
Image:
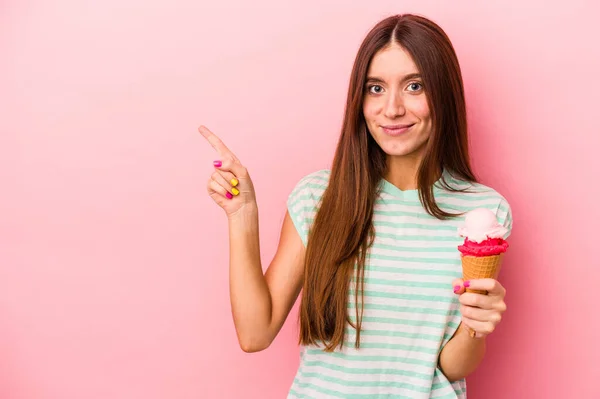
[(113, 260)]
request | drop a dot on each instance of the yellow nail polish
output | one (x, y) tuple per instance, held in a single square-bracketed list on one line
[(235, 191), (234, 182)]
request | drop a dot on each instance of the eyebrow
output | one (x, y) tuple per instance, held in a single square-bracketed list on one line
[(375, 79)]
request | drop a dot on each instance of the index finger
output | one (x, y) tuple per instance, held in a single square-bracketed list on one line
[(216, 142)]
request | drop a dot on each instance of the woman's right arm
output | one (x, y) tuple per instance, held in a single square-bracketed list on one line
[(260, 303)]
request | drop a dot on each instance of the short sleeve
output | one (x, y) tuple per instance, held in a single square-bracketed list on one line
[(304, 200), (504, 216)]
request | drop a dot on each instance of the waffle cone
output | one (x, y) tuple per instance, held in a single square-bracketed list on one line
[(475, 267)]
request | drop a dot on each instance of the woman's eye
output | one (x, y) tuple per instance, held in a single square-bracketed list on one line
[(376, 89), (415, 86)]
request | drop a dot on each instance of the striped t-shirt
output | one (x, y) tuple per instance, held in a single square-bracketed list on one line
[(410, 309)]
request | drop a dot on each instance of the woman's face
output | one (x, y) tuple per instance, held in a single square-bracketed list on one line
[(395, 105)]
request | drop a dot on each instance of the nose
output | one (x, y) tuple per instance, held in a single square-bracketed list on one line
[(394, 106)]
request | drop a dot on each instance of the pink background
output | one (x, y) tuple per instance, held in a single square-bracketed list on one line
[(113, 260)]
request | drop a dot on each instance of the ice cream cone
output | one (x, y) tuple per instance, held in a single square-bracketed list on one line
[(483, 249), (476, 267)]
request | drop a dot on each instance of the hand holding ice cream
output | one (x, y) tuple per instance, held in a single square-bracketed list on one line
[(481, 314)]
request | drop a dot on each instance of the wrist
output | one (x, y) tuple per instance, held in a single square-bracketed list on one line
[(463, 336), (246, 214)]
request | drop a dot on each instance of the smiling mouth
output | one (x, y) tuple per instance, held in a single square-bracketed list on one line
[(396, 130)]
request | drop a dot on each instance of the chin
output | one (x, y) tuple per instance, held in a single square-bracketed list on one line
[(401, 149)]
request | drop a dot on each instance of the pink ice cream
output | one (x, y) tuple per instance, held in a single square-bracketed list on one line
[(484, 236)]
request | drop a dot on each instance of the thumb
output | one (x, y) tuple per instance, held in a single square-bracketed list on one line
[(457, 286)]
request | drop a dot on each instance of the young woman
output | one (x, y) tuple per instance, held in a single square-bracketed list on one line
[(372, 243)]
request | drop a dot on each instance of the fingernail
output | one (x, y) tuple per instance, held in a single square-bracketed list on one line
[(235, 191), (467, 284), (234, 182), (456, 289), (217, 164), (228, 195)]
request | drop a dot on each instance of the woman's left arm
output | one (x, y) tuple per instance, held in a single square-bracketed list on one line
[(481, 313)]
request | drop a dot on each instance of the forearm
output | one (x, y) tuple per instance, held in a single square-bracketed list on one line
[(249, 293), (461, 355)]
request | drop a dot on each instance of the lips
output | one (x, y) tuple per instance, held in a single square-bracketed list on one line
[(396, 130)]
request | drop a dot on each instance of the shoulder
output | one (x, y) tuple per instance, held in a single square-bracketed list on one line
[(317, 177), (475, 195), (473, 191), (304, 200), (312, 184)]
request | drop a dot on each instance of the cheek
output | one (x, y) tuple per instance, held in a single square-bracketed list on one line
[(371, 109), (368, 113), (421, 109)]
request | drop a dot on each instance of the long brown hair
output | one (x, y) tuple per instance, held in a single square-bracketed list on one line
[(343, 230)]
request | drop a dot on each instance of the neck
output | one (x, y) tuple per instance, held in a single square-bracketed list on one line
[(403, 171)]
